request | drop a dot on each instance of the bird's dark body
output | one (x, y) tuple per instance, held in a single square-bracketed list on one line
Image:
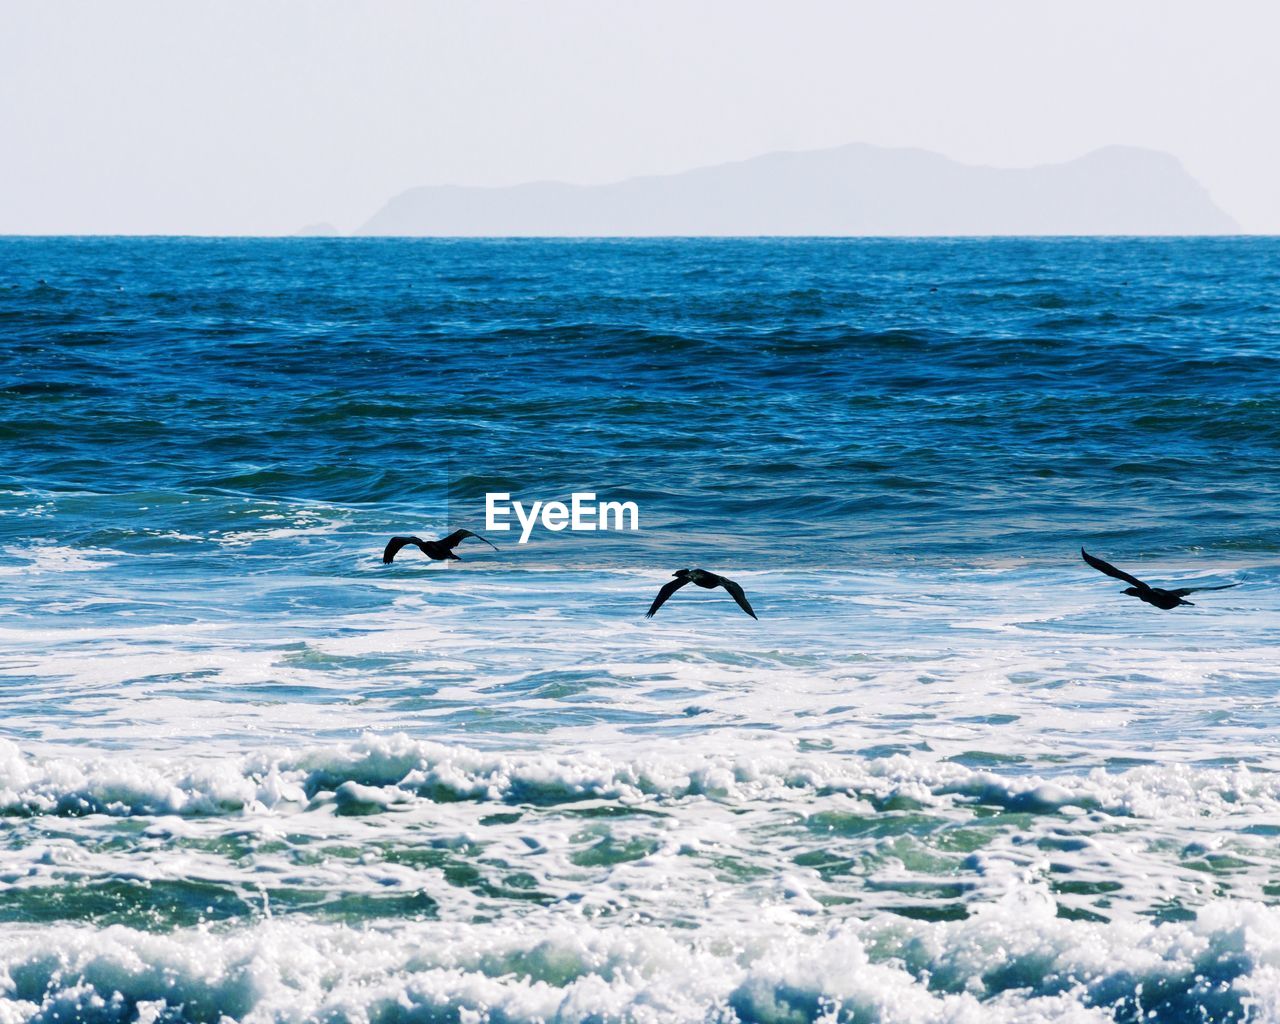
[(434, 549), (1165, 599), (1158, 597), (705, 580)]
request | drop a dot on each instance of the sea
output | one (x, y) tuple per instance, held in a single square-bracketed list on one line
[(251, 774)]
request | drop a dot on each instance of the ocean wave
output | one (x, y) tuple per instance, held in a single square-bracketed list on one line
[(393, 769), (1014, 963)]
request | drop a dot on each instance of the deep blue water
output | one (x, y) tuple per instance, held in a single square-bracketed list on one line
[(951, 774), (946, 398)]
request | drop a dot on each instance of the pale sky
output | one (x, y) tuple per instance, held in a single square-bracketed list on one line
[(261, 116)]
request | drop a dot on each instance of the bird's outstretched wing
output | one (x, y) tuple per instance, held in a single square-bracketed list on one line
[(738, 595), (1191, 590), (667, 590), (394, 545), (1112, 571), (458, 536)]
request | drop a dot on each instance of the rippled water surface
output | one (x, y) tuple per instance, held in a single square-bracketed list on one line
[(248, 772)]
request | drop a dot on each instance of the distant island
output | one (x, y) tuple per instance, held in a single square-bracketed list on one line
[(323, 229), (850, 190)]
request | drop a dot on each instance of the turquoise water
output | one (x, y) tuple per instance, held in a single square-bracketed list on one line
[(249, 772)]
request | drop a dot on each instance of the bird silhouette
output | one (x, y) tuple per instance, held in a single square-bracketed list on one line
[(704, 579), (1166, 599), (439, 550)]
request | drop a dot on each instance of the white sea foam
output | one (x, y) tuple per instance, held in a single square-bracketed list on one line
[(1014, 963), (438, 771), (53, 558), (449, 808), (656, 836)]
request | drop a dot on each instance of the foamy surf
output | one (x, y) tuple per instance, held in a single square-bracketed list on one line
[(1015, 963), (439, 772), (389, 825)]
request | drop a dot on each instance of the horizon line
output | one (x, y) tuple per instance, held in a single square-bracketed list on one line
[(351, 237)]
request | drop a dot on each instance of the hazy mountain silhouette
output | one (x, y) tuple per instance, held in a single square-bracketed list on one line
[(323, 229), (850, 190)]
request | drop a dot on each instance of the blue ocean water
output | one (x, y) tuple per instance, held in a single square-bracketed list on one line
[(248, 772)]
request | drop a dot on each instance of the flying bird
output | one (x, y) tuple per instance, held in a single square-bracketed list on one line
[(704, 579), (439, 550), (1166, 599)]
